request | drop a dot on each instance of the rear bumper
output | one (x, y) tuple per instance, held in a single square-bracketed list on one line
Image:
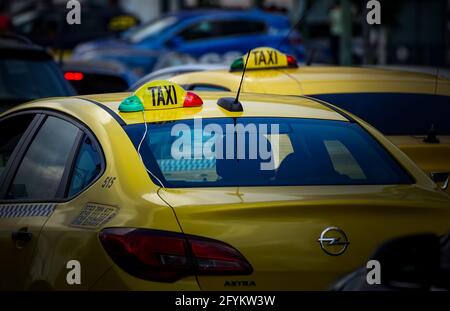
[(118, 280)]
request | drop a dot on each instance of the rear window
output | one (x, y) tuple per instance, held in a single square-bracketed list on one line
[(264, 152), (206, 88), (395, 113)]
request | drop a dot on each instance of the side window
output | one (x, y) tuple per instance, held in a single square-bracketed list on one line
[(41, 171), (87, 167), (11, 131), (239, 27), (199, 31), (214, 29)]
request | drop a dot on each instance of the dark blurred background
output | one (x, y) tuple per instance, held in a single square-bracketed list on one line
[(412, 32)]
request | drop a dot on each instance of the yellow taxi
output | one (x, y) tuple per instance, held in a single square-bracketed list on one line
[(412, 109), (166, 189)]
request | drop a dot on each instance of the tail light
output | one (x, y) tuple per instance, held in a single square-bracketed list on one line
[(167, 256), (73, 76)]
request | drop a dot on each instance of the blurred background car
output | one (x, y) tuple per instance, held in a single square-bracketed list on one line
[(412, 33), (44, 22), (412, 262), (28, 72), (206, 35), (96, 77)]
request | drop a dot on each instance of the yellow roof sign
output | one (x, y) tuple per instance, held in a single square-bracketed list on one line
[(264, 58), (159, 95)]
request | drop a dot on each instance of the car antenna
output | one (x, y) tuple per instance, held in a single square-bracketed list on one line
[(432, 136), (242, 77), (233, 104)]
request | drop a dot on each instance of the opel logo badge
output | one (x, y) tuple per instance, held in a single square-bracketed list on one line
[(333, 241)]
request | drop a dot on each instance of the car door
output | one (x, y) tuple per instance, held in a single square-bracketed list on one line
[(38, 150)]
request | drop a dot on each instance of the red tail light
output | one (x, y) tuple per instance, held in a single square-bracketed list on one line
[(73, 76), (213, 257), (166, 256)]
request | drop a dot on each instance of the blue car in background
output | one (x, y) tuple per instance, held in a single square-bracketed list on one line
[(202, 36)]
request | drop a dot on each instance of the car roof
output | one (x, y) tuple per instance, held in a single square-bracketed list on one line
[(321, 80), (225, 13), (255, 105), (186, 68), (348, 73), (18, 43)]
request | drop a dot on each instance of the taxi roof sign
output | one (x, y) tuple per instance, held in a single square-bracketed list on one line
[(264, 58), (160, 95), (131, 104)]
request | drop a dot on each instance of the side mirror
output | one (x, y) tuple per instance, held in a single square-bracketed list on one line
[(441, 179), (410, 262), (174, 42)]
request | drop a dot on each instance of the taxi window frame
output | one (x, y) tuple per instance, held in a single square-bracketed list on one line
[(61, 194), (71, 170)]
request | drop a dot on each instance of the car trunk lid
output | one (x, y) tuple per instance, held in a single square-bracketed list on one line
[(277, 228)]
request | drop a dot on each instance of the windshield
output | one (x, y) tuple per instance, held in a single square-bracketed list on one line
[(149, 30), (22, 80), (264, 152)]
